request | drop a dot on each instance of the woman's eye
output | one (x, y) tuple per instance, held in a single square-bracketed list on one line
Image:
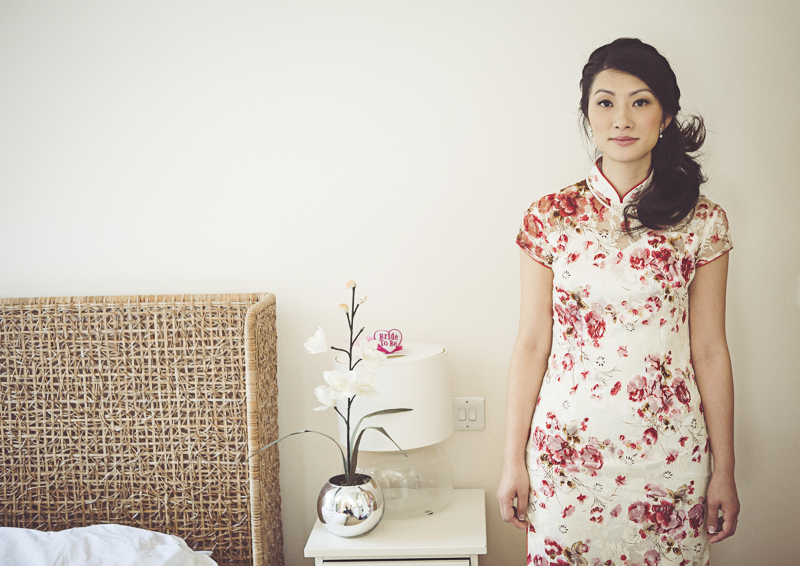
[(604, 103), (641, 102)]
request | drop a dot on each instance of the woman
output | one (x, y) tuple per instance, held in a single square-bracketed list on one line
[(622, 333)]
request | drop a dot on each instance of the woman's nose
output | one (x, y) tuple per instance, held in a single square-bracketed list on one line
[(622, 119)]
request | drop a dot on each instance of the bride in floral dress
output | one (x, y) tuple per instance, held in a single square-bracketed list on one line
[(619, 441)]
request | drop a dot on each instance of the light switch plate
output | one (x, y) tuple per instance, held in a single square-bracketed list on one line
[(467, 403)]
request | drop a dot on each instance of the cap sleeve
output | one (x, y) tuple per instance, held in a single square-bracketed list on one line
[(532, 236), (716, 236)]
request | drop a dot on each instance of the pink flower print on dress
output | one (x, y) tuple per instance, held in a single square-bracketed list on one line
[(681, 391), (599, 260), (596, 515), (566, 204), (664, 264), (533, 225), (592, 458), (652, 558), (687, 268), (656, 491), (552, 422), (639, 511), (665, 516), (539, 438), (561, 452), (552, 548), (650, 436), (639, 258), (595, 324), (696, 516), (637, 388), (661, 397)]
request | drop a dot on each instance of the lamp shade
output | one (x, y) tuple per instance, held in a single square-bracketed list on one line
[(416, 379)]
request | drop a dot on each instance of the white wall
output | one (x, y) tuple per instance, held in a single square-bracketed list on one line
[(288, 146)]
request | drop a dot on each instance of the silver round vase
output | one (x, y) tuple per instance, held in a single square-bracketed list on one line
[(350, 510)]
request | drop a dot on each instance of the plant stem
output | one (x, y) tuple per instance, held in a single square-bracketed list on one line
[(349, 479), (350, 351)]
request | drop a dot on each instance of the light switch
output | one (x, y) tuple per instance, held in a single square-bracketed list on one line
[(468, 413)]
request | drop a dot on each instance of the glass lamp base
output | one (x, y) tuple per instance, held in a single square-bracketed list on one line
[(415, 484)]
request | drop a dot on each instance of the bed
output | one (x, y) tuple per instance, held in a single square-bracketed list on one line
[(140, 411)]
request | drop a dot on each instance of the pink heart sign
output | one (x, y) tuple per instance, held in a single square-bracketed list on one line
[(389, 340)]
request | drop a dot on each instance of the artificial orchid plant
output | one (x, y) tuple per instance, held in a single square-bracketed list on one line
[(358, 381)]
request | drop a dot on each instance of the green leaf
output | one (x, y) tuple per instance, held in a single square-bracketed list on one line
[(354, 456), (344, 461), (375, 414)]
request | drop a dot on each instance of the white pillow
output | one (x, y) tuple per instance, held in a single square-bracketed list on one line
[(98, 545)]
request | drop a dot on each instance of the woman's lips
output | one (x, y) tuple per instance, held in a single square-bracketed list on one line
[(623, 140)]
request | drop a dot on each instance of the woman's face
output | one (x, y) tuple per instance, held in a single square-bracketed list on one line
[(625, 117)]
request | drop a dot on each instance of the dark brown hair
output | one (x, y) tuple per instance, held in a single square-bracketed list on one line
[(677, 176)]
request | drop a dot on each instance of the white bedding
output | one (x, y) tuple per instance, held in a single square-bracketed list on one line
[(98, 545)]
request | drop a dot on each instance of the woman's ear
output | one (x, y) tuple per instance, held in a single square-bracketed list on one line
[(667, 120)]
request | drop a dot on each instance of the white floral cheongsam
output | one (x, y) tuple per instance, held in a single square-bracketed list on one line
[(618, 453)]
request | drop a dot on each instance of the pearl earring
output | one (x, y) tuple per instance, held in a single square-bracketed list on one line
[(660, 133)]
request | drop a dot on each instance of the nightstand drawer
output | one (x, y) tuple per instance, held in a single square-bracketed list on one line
[(453, 536), (395, 562)]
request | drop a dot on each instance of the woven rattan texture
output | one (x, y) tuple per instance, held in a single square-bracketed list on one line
[(132, 410), (262, 421)]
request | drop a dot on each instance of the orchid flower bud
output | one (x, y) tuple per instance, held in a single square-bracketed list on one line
[(362, 299), (351, 284), (344, 308)]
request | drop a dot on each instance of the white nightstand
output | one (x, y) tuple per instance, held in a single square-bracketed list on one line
[(453, 536)]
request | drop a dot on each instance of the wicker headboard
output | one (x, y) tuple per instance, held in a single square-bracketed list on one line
[(141, 411)]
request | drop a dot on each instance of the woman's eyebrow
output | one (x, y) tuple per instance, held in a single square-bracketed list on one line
[(612, 93)]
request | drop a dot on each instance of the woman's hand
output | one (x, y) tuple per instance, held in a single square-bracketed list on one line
[(722, 496), (514, 483)]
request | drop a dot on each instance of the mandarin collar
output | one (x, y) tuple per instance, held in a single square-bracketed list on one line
[(605, 191)]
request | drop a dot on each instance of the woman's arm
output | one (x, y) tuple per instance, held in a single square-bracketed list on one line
[(712, 366), (527, 369)]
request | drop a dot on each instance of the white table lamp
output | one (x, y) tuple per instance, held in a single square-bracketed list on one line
[(420, 481)]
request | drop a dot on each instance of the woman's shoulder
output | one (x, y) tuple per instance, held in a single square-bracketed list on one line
[(706, 209), (572, 201)]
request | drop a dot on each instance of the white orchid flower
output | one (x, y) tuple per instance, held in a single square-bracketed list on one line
[(370, 355), (317, 343), (340, 383), (363, 382), (323, 393)]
